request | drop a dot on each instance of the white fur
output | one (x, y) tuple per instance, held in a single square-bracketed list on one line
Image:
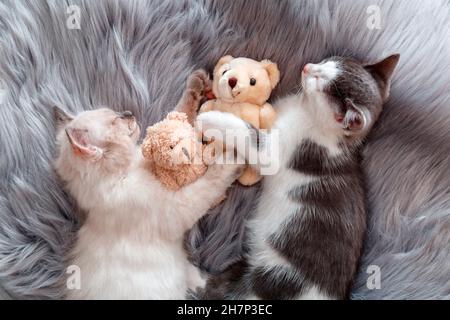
[(131, 244), (317, 76), (314, 293)]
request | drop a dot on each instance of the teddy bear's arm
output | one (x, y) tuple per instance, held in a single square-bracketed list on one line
[(267, 116)]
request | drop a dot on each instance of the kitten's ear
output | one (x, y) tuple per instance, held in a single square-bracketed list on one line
[(61, 117), (79, 141), (354, 120), (382, 72)]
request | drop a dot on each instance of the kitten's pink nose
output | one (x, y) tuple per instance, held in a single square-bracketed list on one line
[(232, 82)]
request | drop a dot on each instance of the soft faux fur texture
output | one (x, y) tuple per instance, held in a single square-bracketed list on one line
[(136, 55)]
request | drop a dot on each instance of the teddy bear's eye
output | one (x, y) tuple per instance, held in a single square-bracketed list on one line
[(223, 73), (252, 81)]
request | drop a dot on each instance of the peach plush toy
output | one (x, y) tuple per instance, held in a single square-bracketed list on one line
[(174, 150), (242, 86)]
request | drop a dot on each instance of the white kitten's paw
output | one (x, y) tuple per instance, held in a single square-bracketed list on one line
[(232, 158), (211, 125), (199, 82), (215, 124), (227, 166), (233, 165)]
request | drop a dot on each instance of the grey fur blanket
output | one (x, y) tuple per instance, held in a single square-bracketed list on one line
[(137, 55)]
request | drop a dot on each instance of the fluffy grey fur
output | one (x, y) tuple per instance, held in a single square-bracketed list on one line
[(137, 55)]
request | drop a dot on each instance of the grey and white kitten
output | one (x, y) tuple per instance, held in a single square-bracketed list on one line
[(306, 237)]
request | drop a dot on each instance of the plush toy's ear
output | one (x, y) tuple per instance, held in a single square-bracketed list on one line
[(222, 61), (272, 70), (79, 141), (61, 117), (175, 115), (382, 72), (354, 119)]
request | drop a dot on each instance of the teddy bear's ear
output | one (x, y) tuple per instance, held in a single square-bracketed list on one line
[(175, 115), (222, 61), (272, 70)]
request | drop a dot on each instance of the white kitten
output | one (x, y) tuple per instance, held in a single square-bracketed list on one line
[(131, 244)]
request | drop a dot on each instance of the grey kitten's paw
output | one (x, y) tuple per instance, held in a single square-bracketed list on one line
[(199, 82), (192, 97)]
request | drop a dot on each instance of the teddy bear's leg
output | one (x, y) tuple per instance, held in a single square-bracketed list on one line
[(249, 177)]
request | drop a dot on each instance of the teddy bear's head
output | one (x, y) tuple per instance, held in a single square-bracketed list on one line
[(172, 143), (244, 80)]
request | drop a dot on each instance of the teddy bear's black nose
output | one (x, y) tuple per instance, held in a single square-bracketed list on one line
[(232, 82)]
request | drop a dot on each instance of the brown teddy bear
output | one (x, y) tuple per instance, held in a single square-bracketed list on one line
[(242, 86), (172, 147)]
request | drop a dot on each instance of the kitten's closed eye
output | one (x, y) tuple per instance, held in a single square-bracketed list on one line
[(128, 118), (125, 115)]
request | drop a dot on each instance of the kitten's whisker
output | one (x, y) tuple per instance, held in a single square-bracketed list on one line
[(300, 89)]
